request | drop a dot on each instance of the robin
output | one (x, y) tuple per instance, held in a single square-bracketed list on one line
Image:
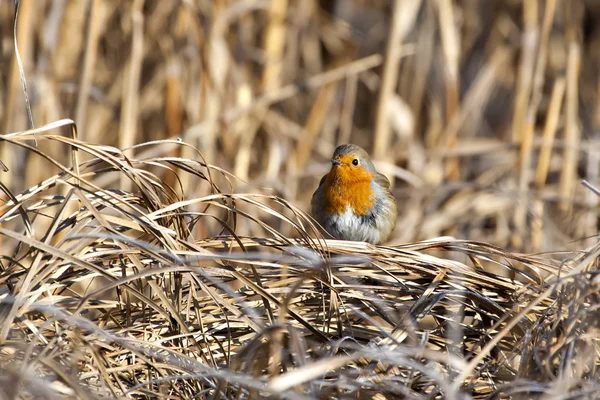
[(354, 201)]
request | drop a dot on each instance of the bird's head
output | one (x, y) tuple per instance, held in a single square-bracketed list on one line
[(351, 163)]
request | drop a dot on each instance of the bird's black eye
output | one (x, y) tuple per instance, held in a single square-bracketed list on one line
[(355, 161)]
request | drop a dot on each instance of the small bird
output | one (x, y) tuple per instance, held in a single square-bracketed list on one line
[(354, 201)]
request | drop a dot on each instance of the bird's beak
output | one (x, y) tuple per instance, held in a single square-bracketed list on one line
[(336, 161)]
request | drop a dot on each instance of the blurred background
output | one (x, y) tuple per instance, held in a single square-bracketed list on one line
[(484, 113)]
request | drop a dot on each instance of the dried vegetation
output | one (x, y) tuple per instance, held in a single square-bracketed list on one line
[(153, 235)]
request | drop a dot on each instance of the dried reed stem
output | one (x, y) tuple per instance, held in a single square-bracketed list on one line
[(572, 132), (451, 48), (550, 127), (14, 116), (403, 18), (96, 19), (131, 88)]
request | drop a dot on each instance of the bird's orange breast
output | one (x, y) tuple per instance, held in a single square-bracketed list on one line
[(345, 188)]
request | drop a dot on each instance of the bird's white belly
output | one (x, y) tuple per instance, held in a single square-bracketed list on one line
[(348, 226)]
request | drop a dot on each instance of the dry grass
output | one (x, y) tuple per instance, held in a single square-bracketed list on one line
[(154, 272), (110, 291)]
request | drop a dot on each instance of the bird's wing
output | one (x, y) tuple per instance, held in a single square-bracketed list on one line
[(322, 181), (382, 181), (317, 194)]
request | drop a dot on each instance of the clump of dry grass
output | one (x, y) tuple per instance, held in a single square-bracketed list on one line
[(109, 293)]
